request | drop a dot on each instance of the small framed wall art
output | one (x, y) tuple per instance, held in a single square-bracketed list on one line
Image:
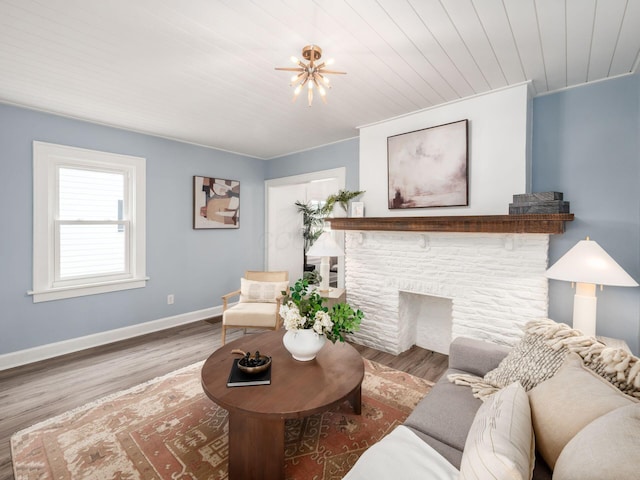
[(216, 203), (357, 209), (429, 167)]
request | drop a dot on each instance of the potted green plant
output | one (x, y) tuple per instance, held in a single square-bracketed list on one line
[(314, 214), (313, 277), (309, 323), (342, 198)]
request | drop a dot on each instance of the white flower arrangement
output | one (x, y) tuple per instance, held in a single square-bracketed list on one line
[(290, 314), (302, 310)]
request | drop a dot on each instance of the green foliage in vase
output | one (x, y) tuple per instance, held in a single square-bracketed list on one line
[(313, 214), (304, 309), (343, 197), (313, 277)]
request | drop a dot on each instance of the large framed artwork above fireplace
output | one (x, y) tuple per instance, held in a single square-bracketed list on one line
[(426, 288)]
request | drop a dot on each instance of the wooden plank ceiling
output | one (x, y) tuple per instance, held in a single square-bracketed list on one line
[(202, 71)]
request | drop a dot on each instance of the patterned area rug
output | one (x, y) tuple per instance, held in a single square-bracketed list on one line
[(168, 429)]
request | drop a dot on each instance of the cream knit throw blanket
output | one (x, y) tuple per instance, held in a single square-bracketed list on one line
[(549, 342)]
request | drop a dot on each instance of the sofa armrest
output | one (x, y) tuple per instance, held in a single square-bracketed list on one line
[(475, 356)]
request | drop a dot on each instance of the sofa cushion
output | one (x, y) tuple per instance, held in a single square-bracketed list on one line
[(500, 444), (567, 402), (453, 455), (401, 454), (446, 413), (606, 449)]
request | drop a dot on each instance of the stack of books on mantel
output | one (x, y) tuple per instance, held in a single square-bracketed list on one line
[(538, 203)]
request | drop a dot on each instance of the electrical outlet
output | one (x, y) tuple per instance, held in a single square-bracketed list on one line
[(170, 299)]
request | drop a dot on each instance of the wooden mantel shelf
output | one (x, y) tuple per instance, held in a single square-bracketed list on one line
[(538, 223)]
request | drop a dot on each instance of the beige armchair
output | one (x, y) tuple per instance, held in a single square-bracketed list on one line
[(259, 304)]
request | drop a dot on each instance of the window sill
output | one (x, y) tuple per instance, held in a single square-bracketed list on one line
[(61, 293)]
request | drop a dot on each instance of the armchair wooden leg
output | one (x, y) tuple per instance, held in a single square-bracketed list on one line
[(224, 333)]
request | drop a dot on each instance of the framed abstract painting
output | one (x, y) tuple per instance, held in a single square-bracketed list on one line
[(429, 167), (216, 203)]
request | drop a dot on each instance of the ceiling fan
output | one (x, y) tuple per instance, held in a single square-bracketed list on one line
[(311, 74)]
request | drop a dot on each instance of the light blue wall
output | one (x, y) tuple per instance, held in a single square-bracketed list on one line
[(585, 144), (341, 154), (197, 266)]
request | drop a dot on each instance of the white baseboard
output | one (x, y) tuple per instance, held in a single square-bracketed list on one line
[(50, 350)]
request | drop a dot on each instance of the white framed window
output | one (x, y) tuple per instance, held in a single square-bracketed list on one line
[(88, 222)]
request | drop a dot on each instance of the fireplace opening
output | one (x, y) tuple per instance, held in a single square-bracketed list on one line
[(428, 318)]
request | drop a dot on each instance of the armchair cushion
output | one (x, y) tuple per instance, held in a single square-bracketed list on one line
[(261, 292), (251, 314)]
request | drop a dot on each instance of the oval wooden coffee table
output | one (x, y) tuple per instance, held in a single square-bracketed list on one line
[(298, 389)]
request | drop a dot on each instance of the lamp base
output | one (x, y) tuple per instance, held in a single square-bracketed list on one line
[(584, 308), (324, 274)]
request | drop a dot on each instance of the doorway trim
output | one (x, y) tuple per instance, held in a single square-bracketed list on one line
[(339, 174)]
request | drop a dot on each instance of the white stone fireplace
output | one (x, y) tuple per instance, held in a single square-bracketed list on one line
[(425, 276), (408, 283)]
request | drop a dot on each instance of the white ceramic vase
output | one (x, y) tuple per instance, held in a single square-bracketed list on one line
[(303, 345)]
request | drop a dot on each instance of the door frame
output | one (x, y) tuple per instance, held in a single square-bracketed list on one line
[(339, 174)]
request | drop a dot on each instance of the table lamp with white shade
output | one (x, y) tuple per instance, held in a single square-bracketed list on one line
[(588, 265), (325, 246)]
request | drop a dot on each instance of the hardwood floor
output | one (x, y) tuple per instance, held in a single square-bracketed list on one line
[(35, 392)]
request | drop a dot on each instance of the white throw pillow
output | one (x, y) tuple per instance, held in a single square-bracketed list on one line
[(500, 443), (402, 455), (264, 292)]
